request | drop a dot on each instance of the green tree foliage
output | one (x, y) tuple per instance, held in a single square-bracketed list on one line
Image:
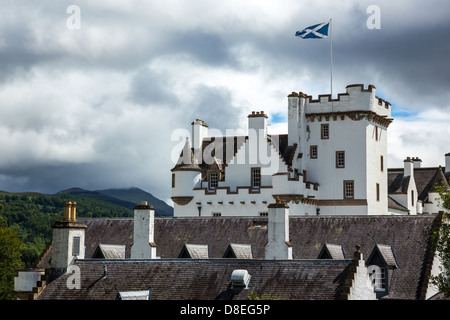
[(441, 243), (31, 216), (10, 258)]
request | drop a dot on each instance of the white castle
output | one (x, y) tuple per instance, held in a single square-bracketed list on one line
[(331, 162)]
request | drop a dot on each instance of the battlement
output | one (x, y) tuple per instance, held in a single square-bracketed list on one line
[(356, 98)]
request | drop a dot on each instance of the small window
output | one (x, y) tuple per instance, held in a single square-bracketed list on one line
[(340, 159), (256, 177), (313, 152), (376, 133), (173, 180), (264, 214), (378, 192), (324, 131), (412, 198), (76, 246), (378, 276), (216, 214), (212, 180), (349, 189), (382, 163)]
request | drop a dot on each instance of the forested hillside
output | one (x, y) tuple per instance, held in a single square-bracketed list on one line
[(32, 216)]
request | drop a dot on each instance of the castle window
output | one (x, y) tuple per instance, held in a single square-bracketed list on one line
[(382, 163), (378, 192), (313, 152), (173, 180), (256, 177), (349, 189), (263, 213), (376, 133), (340, 159), (324, 131), (216, 214), (212, 180)]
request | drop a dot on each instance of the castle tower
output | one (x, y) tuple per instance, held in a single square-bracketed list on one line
[(345, 150), (68, 239)]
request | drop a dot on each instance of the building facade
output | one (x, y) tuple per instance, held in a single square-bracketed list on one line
[(332, 161)]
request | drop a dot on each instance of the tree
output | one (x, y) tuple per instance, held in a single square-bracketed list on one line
[(441, 243), (10, 258)]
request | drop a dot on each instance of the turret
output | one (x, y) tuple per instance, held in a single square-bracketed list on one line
[(186, 175)]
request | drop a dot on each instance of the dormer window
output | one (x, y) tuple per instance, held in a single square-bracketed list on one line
[(379, 264)]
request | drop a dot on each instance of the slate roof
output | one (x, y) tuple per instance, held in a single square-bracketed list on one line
[(239, 251), (194, 251), (387, 254), (185, 279), (393, 204), (409, 237), (425, 179), (110, 251), (331, 251)]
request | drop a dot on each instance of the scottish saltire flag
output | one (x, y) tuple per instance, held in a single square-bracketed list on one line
[(317, 31)]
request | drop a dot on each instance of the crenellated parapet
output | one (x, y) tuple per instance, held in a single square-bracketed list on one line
[(356, 98)]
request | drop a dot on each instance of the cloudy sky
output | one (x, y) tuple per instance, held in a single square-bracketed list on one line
[(92, 96)]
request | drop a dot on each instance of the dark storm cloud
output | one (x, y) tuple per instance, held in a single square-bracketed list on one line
[(134, 72), (149, 87), (214, 105)]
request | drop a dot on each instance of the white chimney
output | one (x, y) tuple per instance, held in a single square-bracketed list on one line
[(199, 132), (293, 118), (447, 162), (257, 124), (144, 246), (417, 162), (408, 167), (68, 240), (278, 246)]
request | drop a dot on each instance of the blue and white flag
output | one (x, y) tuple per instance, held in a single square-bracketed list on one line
[(317, 31)]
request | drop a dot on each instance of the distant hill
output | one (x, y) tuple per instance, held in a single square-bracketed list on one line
[(125, 197)]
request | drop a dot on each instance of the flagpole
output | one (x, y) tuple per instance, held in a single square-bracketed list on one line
[(331, 61)]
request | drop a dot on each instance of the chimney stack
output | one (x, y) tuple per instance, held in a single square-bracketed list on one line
[(70, 211), (199, 132), (447, 162), (417, 162), (144, 246), (293, 118), (68, 240), (278, 246), (257, 124), (408, 167)]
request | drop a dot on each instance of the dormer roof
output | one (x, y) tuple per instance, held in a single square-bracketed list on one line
[(331, 251), (384, 252)]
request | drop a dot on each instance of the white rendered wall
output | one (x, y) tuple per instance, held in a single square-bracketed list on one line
[(376, 147), (278, 233), (62, 246), (143, 234), (27, 279)]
